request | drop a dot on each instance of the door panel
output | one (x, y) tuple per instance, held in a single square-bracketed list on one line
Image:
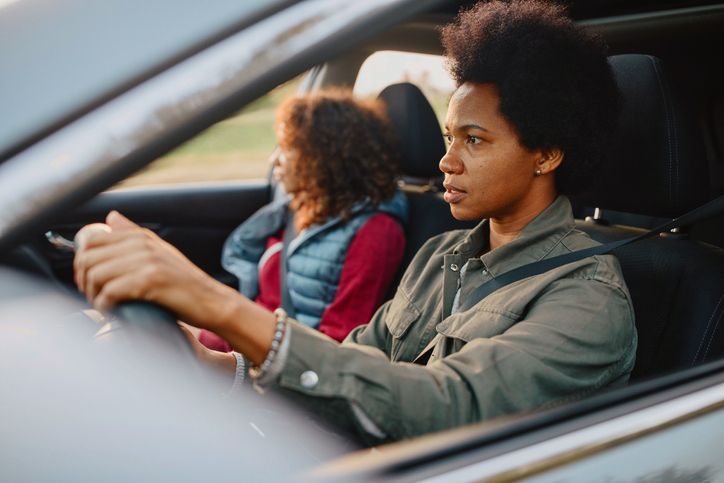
[(196, 219), (688, 452)]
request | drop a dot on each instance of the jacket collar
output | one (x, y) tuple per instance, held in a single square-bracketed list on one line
[(533, 243), (396, 206)]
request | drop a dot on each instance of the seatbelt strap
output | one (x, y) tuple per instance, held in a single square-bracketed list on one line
[(709, 210), (289, 235)]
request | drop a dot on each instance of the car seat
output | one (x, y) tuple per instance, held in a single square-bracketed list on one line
[(658, 168), (422, 147)]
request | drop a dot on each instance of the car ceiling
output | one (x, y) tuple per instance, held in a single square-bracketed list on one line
[(587, 9)]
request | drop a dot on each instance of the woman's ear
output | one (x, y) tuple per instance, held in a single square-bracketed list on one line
[(550, 159)]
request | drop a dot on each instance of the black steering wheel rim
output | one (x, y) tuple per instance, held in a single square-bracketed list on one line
[(150, 329)]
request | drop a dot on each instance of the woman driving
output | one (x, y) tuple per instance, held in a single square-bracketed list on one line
[(529, 123)]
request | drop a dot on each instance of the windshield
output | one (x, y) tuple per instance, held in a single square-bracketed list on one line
[(113, 43)]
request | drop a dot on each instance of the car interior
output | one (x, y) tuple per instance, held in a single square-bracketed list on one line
[(657, 161), (667, 159)]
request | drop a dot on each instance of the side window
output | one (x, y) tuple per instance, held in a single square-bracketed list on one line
[(235, 148), (425, 71)]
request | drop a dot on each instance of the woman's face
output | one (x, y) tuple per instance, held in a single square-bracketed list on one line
[(284, 165), (488, 174)]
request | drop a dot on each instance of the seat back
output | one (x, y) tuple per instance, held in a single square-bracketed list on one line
[(422, 148), (659, 168)]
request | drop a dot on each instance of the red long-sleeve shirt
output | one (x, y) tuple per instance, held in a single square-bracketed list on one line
[(371, 262)]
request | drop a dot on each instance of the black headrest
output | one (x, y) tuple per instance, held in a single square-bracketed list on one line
[(658, 165), (418, 129)]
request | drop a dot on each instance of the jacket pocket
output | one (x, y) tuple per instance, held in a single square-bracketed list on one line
[(400, 317), (475, 324)]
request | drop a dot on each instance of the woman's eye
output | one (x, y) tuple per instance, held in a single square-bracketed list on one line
[(474, 139), (448, 138)]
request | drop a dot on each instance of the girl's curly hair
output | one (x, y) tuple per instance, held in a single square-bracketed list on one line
[(554, 82), (347, 150)]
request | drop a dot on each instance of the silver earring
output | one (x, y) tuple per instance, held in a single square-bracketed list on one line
[(538, 172)]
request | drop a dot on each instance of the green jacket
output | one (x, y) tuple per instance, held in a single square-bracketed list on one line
[(541, 341)]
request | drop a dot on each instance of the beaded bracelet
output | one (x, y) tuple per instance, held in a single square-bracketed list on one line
[(281, 328), (238, 376)]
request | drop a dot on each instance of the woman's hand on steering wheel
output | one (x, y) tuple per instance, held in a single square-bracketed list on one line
[(122, 261)]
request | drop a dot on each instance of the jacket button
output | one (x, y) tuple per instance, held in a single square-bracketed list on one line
[(454, 267), (485, 271), (309, 379)]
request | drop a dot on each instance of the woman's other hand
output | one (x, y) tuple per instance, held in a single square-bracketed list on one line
[(225, 362)]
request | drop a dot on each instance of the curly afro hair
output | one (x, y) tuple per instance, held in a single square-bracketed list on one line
[(554, 81), (348, 152)]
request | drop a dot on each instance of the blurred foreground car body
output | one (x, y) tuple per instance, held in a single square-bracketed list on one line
[(91, 92)]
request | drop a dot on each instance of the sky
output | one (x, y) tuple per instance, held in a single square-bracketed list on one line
[(384, 68)]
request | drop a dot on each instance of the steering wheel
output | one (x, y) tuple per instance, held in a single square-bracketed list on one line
[(151, 331), (142, 332)]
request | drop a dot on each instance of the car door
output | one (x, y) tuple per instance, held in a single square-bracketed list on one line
[(664, 430), (195, 218)]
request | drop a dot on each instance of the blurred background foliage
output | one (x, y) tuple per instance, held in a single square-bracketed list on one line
[(236, 148)]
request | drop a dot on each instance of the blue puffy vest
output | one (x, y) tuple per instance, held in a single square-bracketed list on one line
[(314, 258)]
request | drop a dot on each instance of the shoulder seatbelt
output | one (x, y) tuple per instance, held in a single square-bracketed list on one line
[(289, 235), (713, 208), (709, 210)]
